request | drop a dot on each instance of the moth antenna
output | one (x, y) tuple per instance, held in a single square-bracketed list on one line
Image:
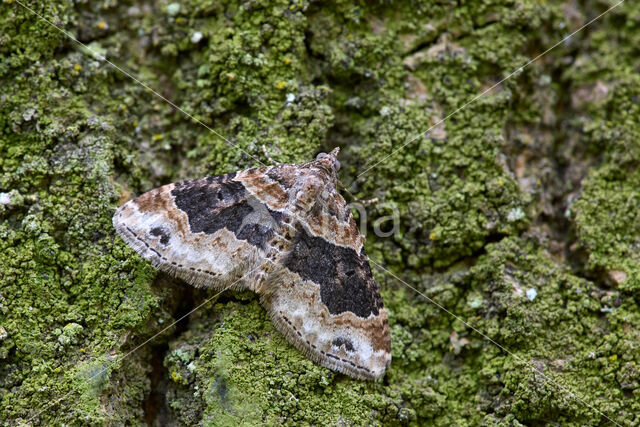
[(368, 201), (354, 198), (264, 150)]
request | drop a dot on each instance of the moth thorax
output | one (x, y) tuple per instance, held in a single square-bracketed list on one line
[(329, 162)]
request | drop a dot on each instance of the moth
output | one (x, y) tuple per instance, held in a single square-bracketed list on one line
[(284, 232)]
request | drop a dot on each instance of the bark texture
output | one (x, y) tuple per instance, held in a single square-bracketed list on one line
[(520, 214)]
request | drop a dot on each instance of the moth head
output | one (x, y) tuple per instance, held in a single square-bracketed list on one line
[(330, 160)]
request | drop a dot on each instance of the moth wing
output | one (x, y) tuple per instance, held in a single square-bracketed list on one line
[(323, 298), (208, 232)]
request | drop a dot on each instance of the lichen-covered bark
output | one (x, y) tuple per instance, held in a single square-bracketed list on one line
[(520, 214)]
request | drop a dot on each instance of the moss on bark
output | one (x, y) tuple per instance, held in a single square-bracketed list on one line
[(519, 214)]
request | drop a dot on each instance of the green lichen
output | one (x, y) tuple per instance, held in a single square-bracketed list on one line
[(246, 372), (607, 214), (518, 214)]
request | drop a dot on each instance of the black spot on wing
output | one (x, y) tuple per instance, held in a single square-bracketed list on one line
[(162, 233), (219, 202), (345, 279), (346, 342)]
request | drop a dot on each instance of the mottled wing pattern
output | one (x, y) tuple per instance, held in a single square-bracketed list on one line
[(207, 232), (321, 294), (290, 225), (327, 304)]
